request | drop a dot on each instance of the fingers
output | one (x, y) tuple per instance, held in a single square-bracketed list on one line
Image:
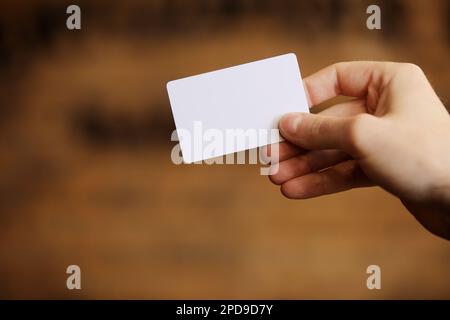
[(339, 128), (294, 163), (346, 78), (341, 177), (346, 109), (315, 131), (286, 150), (318, 132), (306, 163)]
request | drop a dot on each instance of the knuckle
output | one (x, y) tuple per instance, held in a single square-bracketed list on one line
[(338, 65), (411, 69)]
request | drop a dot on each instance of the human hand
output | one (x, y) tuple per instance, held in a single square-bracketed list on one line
[(395, 134)]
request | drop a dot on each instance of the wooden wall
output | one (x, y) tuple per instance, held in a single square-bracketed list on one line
[(86, 176)]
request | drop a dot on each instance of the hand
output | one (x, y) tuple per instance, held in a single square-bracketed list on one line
[(395, 133)]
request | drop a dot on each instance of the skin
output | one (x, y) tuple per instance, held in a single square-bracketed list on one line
[(394, 133)]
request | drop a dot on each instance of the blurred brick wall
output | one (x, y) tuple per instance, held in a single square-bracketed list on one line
[(87, 179)]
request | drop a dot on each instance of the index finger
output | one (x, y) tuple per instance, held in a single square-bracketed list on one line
[(352, 79)]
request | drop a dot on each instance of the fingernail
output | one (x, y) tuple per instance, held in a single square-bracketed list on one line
[(290, 122)]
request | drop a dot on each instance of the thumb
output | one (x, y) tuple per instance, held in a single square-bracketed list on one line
[(312, 131)]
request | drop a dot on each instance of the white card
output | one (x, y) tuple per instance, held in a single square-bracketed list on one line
[(245, 99)]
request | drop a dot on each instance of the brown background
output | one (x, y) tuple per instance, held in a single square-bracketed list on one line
[(86, 176)]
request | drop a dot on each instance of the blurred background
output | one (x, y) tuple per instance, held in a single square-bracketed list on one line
[(86, 176)]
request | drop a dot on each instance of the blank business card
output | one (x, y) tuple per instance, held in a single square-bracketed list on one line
[(248, 98)]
